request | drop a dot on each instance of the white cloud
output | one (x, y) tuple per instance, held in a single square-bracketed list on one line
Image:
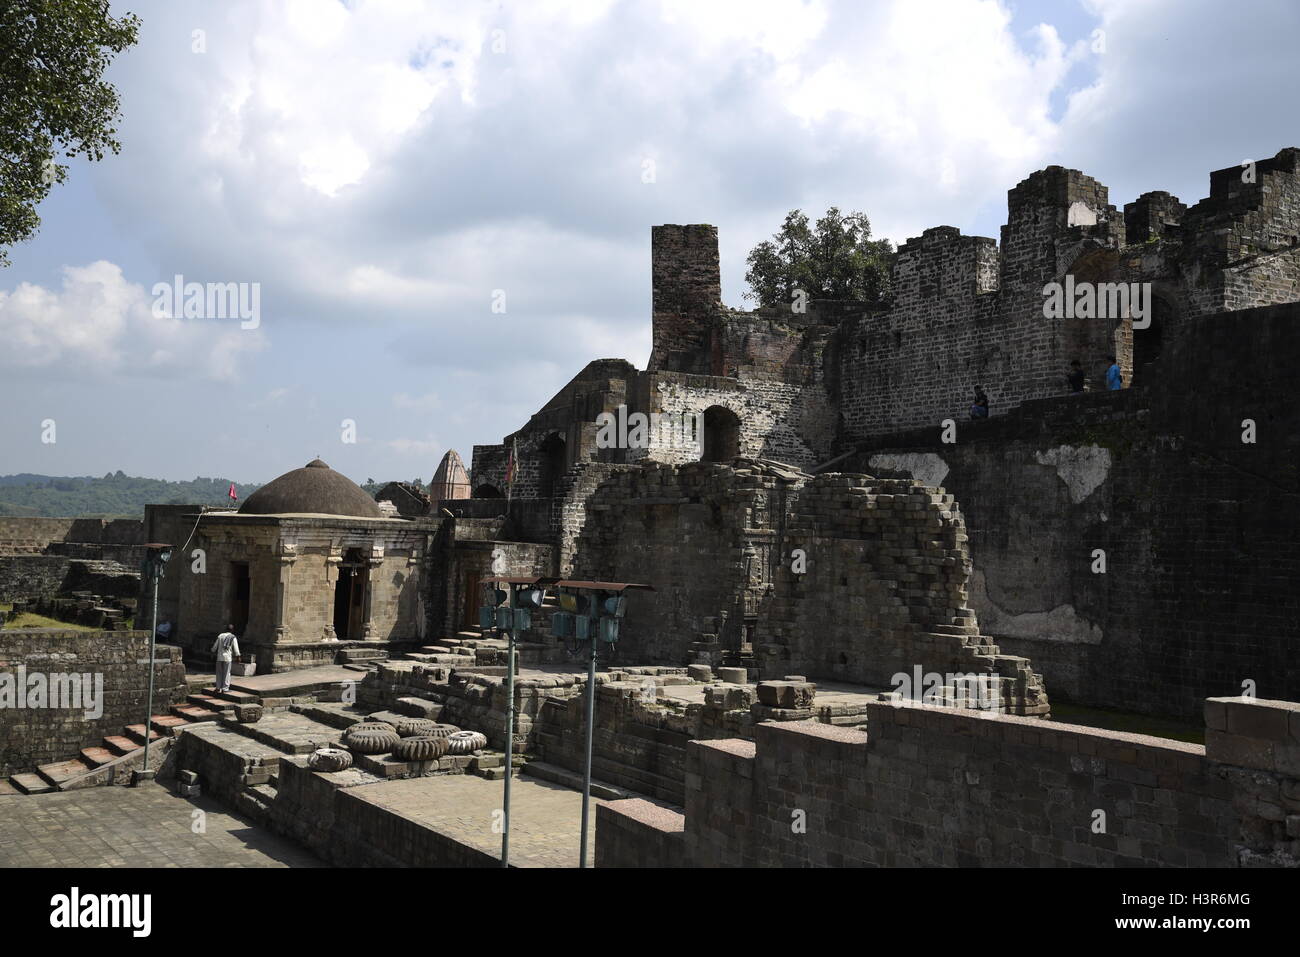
[(99, 324)]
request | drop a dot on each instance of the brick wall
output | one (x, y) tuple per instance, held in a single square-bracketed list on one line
[(33, 736), (686, 292), (1197, 527), (926, 786), (19, 536)]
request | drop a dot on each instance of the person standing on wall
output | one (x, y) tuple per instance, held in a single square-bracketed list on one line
[(980, 408), (226, 650), (1076, 377), (1114, 378)]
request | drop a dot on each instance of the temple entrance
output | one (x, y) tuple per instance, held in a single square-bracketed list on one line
[(471, 598), (721, 434), (240, 592), (350, 596)]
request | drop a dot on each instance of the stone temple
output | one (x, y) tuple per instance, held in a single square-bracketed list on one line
[(825, 528)]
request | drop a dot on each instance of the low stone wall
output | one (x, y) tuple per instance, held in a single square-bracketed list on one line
[(30, 736), (927, 786), (32, 576), (31, 536)]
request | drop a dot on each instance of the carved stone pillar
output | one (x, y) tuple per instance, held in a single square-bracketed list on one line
[(332, 562), (374, 562), (286, 555)]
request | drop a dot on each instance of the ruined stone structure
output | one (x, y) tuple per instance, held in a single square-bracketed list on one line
[(1044, 484), (928, 786), (819, 518)]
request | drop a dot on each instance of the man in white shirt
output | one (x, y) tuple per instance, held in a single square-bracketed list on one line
[(226, 649)]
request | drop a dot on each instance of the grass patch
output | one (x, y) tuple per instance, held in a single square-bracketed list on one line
[(1128, 721), (31, 620)]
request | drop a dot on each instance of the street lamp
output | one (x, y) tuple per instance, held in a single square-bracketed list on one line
[(525, 596), (591, 612), (156, 557)]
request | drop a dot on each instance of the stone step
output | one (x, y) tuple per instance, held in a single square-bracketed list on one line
[(166, 724), (571, 779), (193, 712), (238, 697), (419, 708), (8, 790), (120, 744), (60, 771), (136, 733), (255, 800), (335, 715), (289, 732), (31, 783), (361, 654), (209, 702), (96, 757)]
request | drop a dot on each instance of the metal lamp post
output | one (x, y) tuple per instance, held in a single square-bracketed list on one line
[(157, 557), (591, 606), (591, 727), (510, 732), (525, 594)]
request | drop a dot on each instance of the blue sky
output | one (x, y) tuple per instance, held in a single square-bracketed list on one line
[(379, 169)]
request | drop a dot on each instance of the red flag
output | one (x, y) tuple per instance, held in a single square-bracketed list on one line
[(233, 496)]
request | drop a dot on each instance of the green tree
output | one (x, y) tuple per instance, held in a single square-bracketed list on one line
[(836, 258), (53, 98)]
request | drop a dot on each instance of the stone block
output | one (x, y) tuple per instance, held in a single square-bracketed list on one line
[(700, 672), (786, 694), (729, 697), (1252, 718), (1237, 750), (248, 713)]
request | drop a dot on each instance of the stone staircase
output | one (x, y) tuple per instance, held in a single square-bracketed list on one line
[(472, 648), (98, 764), (239, 762)]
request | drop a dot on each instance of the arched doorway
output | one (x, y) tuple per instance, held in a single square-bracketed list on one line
[(555, 461), (721, 434), (487, 491)]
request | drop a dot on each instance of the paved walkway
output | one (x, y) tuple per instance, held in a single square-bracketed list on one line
[(545, 818), (301, 681), (146, 826)]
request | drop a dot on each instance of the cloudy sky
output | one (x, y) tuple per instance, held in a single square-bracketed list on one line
[(381, 169)]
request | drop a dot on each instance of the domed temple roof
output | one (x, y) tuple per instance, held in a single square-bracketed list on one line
[(313, 489)]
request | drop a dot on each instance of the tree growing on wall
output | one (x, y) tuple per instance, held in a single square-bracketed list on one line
[(53, 99), (835, 258)]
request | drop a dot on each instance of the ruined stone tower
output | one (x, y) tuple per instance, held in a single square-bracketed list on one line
[(687, 293)]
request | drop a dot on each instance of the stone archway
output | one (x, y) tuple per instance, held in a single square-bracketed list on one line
[(721, 434)]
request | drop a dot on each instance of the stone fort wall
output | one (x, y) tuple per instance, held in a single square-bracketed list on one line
[(928, 786), (1197, 527)]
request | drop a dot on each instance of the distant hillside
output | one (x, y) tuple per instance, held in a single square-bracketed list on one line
[(114, 496)]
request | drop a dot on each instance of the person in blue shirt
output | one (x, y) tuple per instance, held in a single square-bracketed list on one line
[(1114, 378), (980, 407)]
